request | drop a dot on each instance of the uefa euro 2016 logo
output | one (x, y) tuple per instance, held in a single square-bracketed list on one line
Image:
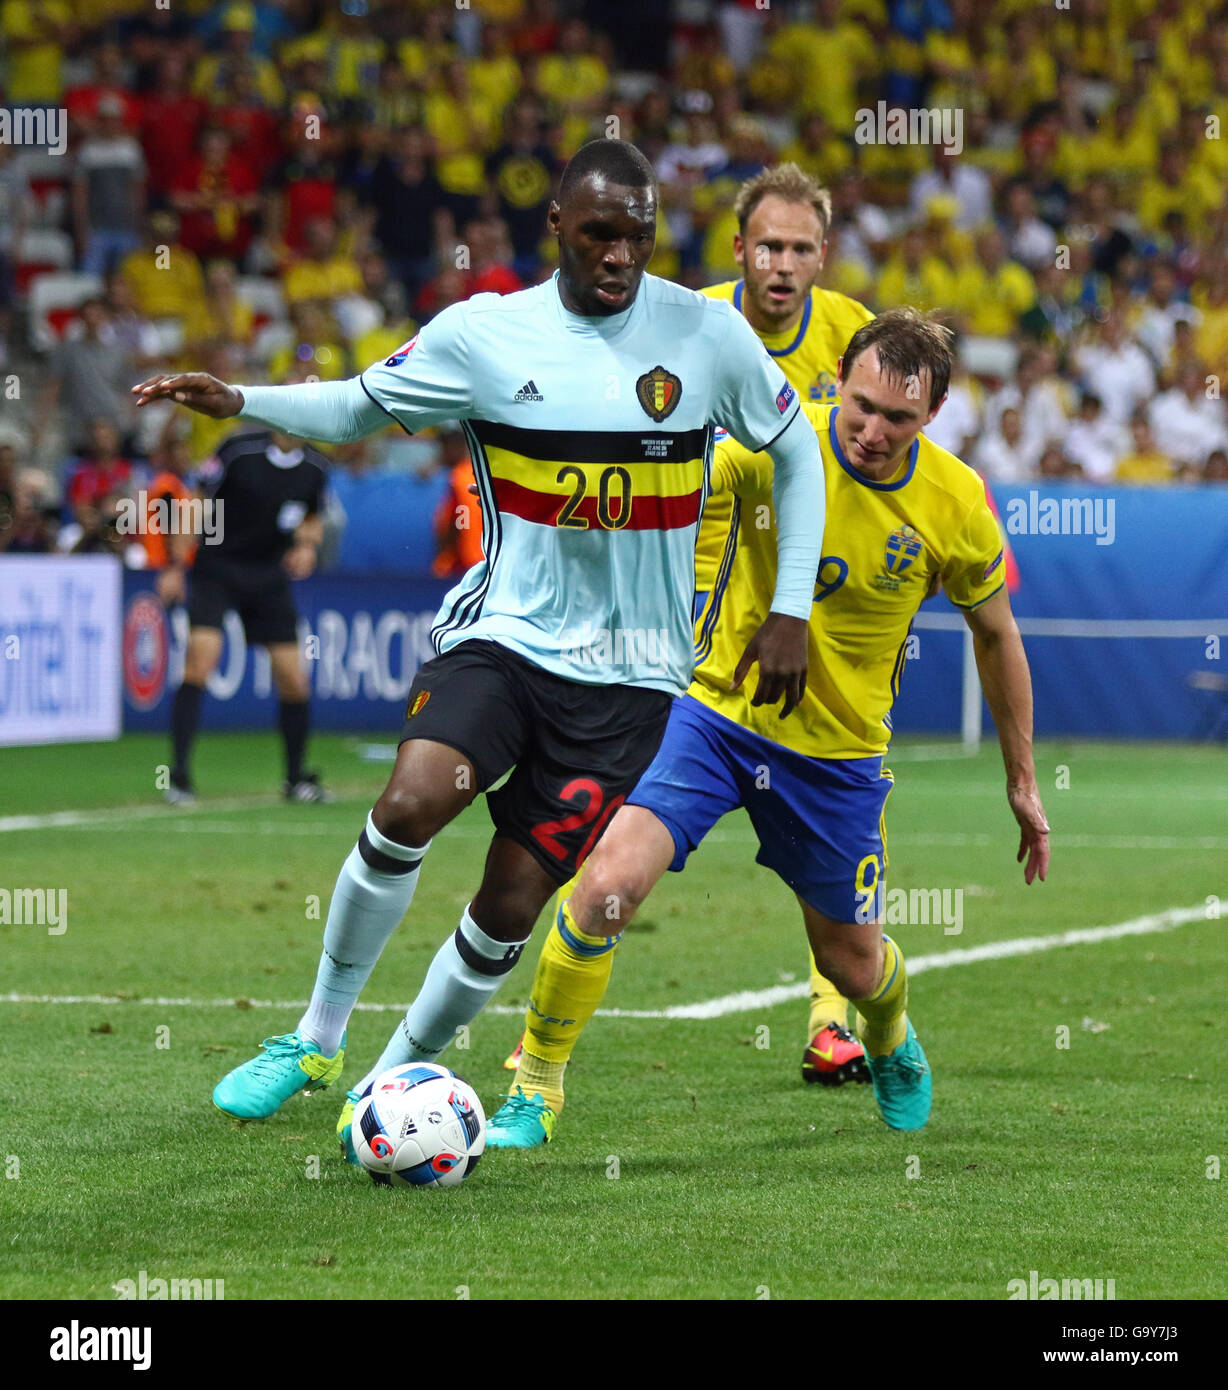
[(903, 547)]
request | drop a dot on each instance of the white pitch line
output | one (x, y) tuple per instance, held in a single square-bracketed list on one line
[(731, 834), (193, 818), (744, 1001)]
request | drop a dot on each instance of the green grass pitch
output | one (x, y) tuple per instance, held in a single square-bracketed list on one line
[(691, 1161)]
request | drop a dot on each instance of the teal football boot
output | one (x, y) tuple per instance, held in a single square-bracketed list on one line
[(288, 1064), (903, 1085), (521, 1122)]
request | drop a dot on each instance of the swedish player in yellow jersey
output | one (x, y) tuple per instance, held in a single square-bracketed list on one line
[(902, 516), (783, 219)]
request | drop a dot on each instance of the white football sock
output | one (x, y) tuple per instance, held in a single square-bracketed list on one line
[(467, 971), (374, 890)]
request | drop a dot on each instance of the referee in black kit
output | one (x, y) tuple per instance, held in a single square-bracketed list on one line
[(266, 490)]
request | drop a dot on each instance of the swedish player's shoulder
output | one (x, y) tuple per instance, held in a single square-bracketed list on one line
[(837, 307), (945, 470), (819, 414), (725, 290)]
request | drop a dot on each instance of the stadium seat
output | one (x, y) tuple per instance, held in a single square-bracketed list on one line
[(52, 304), (43, 249), (48, 176), (265, 298)]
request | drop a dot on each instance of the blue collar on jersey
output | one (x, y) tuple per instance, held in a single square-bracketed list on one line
[(801, 327), (861, 477)]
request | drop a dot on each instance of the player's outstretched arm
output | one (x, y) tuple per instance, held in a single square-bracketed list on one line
[(337, 412), (1007, 683), (800, 503)]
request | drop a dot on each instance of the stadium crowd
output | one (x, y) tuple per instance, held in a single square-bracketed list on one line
[(286, 188)]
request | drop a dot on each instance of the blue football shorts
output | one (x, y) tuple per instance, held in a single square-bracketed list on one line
[(819, 821)]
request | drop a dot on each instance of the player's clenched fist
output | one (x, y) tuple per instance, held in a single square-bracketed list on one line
[(780, 649), (197, 390)]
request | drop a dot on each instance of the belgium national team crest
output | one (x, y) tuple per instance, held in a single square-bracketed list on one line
[(417, 703), (659, 392)]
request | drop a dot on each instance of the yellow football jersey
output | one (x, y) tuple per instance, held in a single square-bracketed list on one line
[(886, 545), (807, 355)]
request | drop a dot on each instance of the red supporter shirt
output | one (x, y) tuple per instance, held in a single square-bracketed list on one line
[(92, 481), (219, 230), (81, 103), (169, 127)]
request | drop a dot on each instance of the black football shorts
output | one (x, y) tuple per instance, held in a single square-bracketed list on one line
[(577, 750), (260, 595)]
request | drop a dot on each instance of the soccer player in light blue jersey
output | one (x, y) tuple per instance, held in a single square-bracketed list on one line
[(588, 404)]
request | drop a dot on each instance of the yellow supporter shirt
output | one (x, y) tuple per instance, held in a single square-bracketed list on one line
[(165, 290), (321, 279), (992, 303), (208, 70), (463, 136), (886, 543), (328, 361), (826, 163), (571, 78), (35, 74), (496, 80), (1132, 157), (1197, 194), (931, 287), (807, 355), (1145, 469), (376, 344)]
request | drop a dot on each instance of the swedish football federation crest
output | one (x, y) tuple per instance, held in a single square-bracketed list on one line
[(899, 555), (823, 388), (659, 392)]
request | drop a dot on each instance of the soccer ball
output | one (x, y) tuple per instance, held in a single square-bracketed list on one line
[(419, 1125)]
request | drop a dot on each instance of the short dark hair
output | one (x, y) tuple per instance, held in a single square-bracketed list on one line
[(616, 160), (908, 343)]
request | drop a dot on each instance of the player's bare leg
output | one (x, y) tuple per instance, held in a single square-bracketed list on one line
[(431, 784), (294, 720), (868, 968), (573, 971), (203, 653)]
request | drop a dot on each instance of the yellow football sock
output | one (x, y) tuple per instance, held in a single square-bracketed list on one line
[(571, 980), (881, 1020), (827, 1004)]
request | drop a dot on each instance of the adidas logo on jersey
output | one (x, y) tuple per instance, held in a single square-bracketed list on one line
[(529, 392)]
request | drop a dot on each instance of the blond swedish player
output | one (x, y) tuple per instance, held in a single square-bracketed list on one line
[(902, 516), (783, 221)]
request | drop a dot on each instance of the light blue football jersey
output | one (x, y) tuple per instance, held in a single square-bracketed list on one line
[(591, 441)]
